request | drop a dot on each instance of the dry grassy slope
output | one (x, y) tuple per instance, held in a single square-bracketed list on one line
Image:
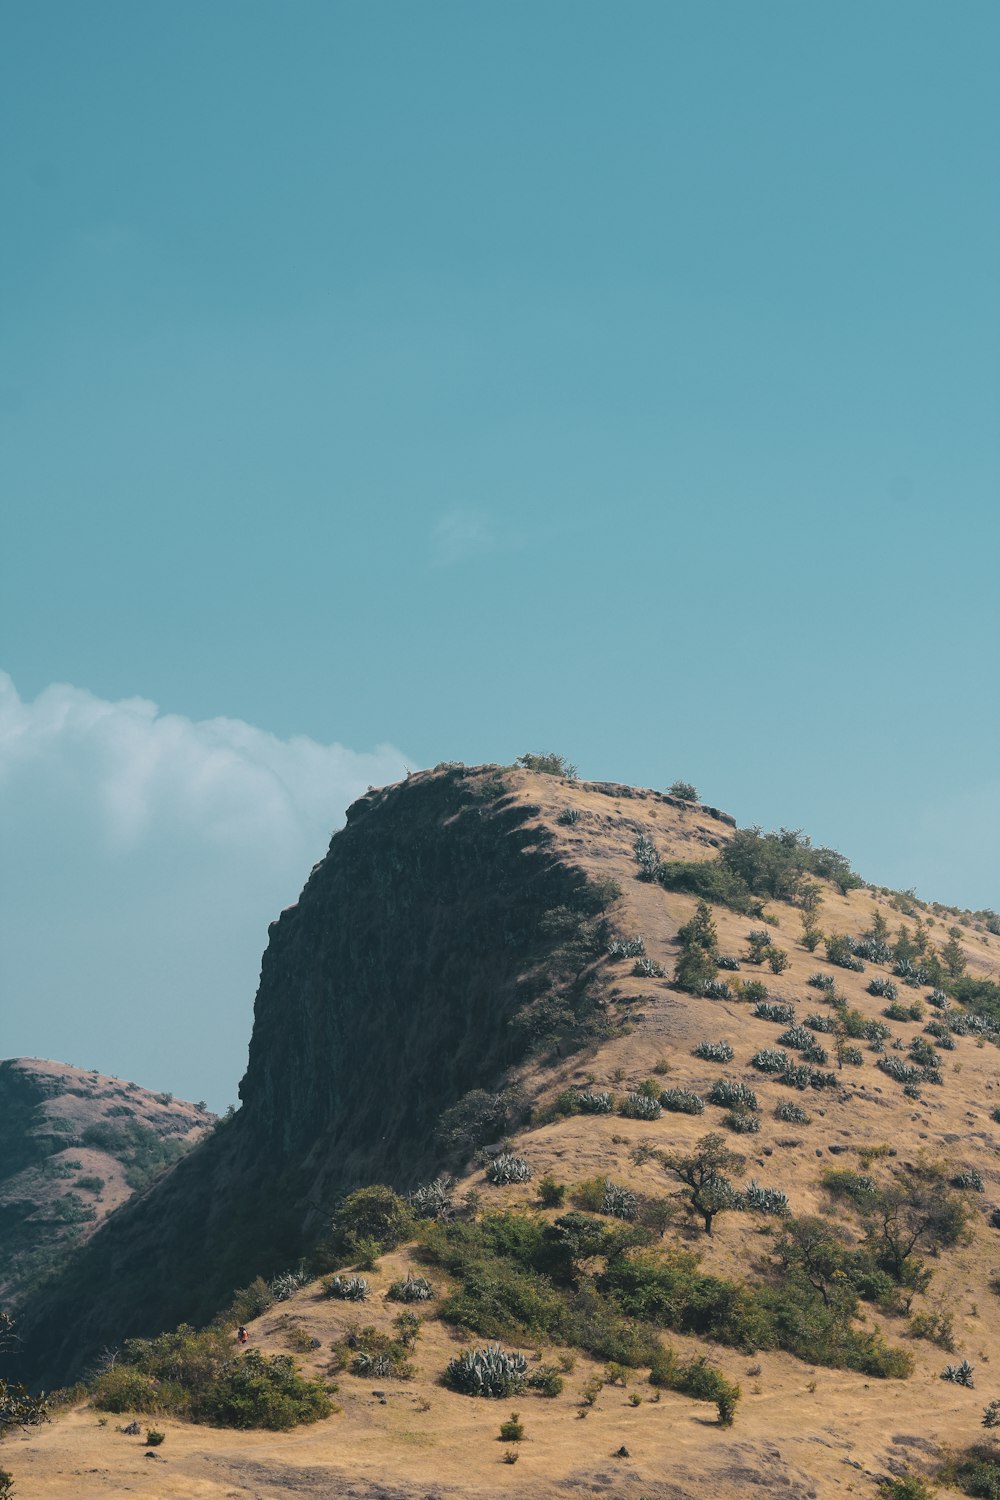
[(46, 1107), (799, 1431)]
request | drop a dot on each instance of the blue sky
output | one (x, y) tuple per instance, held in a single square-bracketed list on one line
[(439, 381)]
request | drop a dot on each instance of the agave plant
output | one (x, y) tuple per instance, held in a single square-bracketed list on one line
[(793, 1114), (378, 1366), (348, 1288), (959, 1374), (724, 961), (487, 1372), (717, 989), (774, 1010), (286, 1284), (797, 1037), (619, 1201), (595, 1101), (873, 949), (732, 1094), (764, 1200), (972, 1180), (909, 972), (819, 1023), (640, 1107), (682, 1102), (646, 857), (626, 947), (411, 1289), (883, 988), (821, 981), (742, 1122), (506, 1169), (714, 1051), (433, 1200), (796, 1076), (770, 1060), (896, 1068), (647, 968)]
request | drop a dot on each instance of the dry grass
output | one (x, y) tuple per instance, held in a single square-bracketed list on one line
[(800, 1432)]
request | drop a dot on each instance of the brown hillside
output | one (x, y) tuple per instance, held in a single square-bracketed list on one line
[(801, 1430)]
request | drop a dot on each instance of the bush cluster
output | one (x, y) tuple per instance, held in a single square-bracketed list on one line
[(196, 1375)]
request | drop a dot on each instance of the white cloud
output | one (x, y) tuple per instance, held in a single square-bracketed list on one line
[(143, 856)]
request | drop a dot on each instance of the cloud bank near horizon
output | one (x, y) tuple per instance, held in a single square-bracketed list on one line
[(144, 855)]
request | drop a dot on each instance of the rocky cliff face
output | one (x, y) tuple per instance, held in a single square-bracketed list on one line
[(386, 994), (74, 1146)]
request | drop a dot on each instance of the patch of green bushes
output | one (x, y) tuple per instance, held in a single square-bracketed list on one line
[(197, 1375)]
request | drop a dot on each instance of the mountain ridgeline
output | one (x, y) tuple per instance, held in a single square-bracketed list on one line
[(424, 949)]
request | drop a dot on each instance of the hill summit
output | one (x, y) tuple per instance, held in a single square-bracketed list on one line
[(683, 1108)]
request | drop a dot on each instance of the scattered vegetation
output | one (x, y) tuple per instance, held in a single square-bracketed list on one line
[(196, 1375), (548, 763)]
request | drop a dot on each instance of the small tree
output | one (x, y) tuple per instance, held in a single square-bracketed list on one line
[(700, 930), (702, 1171), (548, 763), (952, 955), (372, 1214), (17, 1407), (684, 791)]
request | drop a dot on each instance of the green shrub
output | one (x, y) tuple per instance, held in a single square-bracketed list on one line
[(154, 1438), (975, 1472), (683, 791), (774, 864), (710, 881), (741, 1122), (375, 1355), (546, 1380), (257, 1390), (548, 763), (475, 1120), (372, 1213), (906, 1487), (124, 1388), (512, 1431), (551, 1194), (697, 1378)]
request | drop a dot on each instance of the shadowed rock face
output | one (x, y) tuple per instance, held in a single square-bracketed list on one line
[(386, 993)]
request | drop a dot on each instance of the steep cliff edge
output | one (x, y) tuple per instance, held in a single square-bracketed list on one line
[(386, 994)]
